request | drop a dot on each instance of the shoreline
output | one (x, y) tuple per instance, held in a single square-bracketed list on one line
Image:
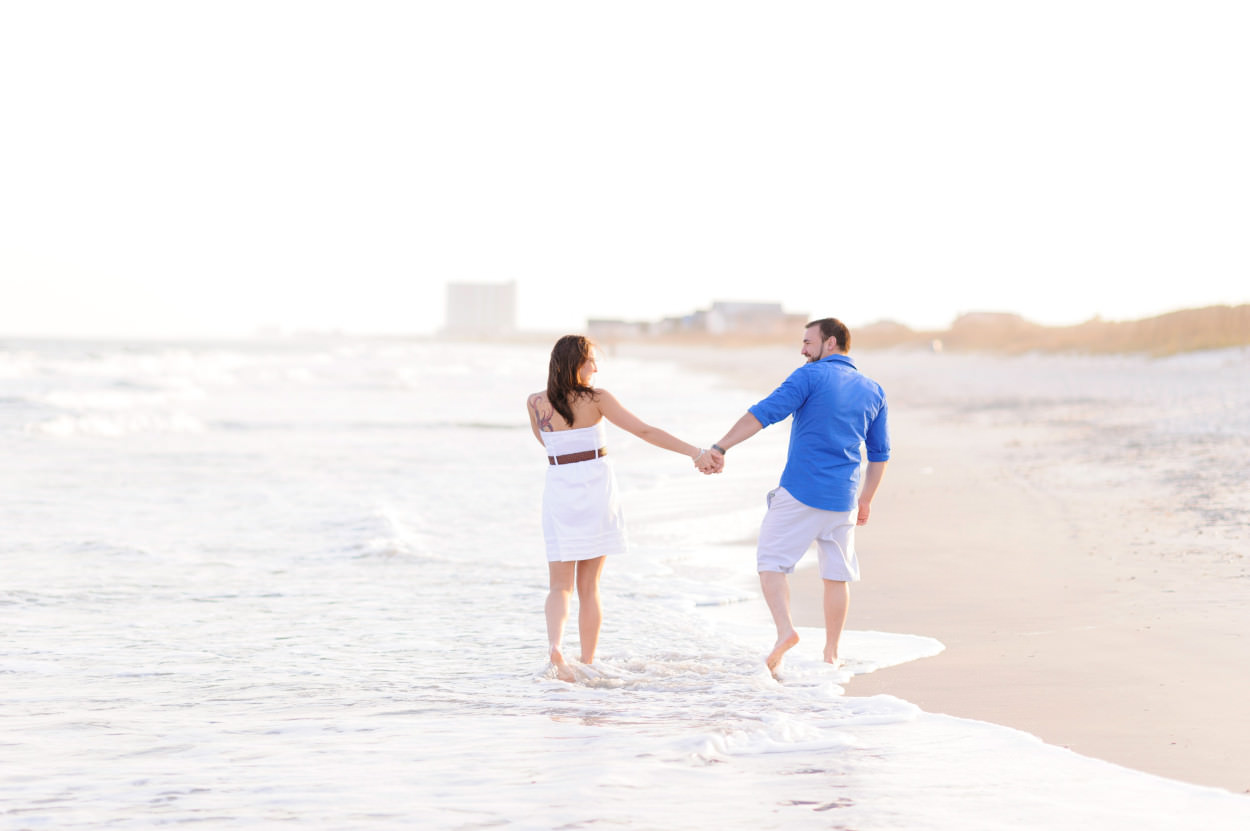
[(1091, 616)]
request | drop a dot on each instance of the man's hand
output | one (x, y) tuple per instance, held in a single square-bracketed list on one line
[(709, 461)]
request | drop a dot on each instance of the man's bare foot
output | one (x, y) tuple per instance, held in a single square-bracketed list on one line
[(783, 646), (563, 671)]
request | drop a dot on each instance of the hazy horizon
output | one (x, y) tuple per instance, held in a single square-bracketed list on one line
[(272, 331), (210, 171)]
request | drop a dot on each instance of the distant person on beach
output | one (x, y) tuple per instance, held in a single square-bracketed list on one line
[(582, 518), (836, 409)]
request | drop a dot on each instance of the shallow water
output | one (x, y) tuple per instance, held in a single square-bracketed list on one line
[(254, 583)]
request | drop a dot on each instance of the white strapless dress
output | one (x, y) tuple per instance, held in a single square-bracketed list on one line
[(582, 516)]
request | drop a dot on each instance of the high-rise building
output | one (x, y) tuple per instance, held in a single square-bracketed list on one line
[(475, 309)]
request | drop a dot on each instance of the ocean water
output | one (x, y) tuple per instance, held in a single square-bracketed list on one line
[(300, 583)]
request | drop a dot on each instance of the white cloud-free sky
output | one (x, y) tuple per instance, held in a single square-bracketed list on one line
[(201, 168)]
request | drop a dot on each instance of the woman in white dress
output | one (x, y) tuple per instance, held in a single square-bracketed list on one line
[(582, 520)]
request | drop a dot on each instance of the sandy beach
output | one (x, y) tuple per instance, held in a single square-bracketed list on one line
[(1068, 613), (1077, 600)]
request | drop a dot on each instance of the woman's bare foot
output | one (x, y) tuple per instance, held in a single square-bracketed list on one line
[(563, 671), (782, 646)]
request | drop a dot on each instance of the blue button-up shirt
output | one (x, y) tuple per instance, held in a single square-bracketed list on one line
[(836, 410)]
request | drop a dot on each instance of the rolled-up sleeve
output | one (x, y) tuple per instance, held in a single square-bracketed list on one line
[(781, 402), (877, 440)]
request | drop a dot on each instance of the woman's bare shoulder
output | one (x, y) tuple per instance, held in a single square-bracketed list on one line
[(541, 412), (539, 406), (586, 409), (602, 396)]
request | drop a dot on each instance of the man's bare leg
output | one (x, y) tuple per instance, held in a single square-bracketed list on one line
[(557, 609), (776, 590), (589, 609), (837, 604)]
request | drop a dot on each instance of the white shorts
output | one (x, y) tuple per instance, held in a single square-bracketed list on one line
[(789, 528)]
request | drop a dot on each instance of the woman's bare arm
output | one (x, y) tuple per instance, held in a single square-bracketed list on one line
[(614, 412)]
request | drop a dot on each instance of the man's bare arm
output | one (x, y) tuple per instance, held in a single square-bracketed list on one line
[(872, 481), (742, 430)]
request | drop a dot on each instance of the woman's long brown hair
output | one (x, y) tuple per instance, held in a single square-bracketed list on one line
[(563, 387)]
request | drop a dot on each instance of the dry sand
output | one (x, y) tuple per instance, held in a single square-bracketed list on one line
[(1071, 607)]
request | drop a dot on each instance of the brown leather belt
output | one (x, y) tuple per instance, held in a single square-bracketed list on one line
[(584, 456)]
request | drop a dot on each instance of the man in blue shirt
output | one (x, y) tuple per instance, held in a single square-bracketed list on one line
[(837, 410)]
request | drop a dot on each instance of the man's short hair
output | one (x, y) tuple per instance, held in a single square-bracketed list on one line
[(831, 327)]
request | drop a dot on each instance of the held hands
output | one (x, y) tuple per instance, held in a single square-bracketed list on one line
[(709, 461)]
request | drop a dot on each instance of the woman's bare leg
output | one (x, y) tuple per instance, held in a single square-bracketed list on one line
[(558, 597), (589, 609)]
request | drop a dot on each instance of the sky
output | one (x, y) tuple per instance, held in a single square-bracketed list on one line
[(215, 168)]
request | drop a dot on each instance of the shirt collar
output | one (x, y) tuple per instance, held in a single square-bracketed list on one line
[(838, 357)]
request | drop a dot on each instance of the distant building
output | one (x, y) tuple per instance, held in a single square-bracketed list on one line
[(609, 329), (726, 318), (475, 309), (684, 325), (750, 319)]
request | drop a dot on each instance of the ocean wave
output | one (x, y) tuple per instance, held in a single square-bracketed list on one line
[(362, 426), (122, 396), (117, 424), (383, 534), (472, 425), (17, 402)]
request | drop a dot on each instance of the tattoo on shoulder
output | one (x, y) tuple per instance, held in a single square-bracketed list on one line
[(543, 412)]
